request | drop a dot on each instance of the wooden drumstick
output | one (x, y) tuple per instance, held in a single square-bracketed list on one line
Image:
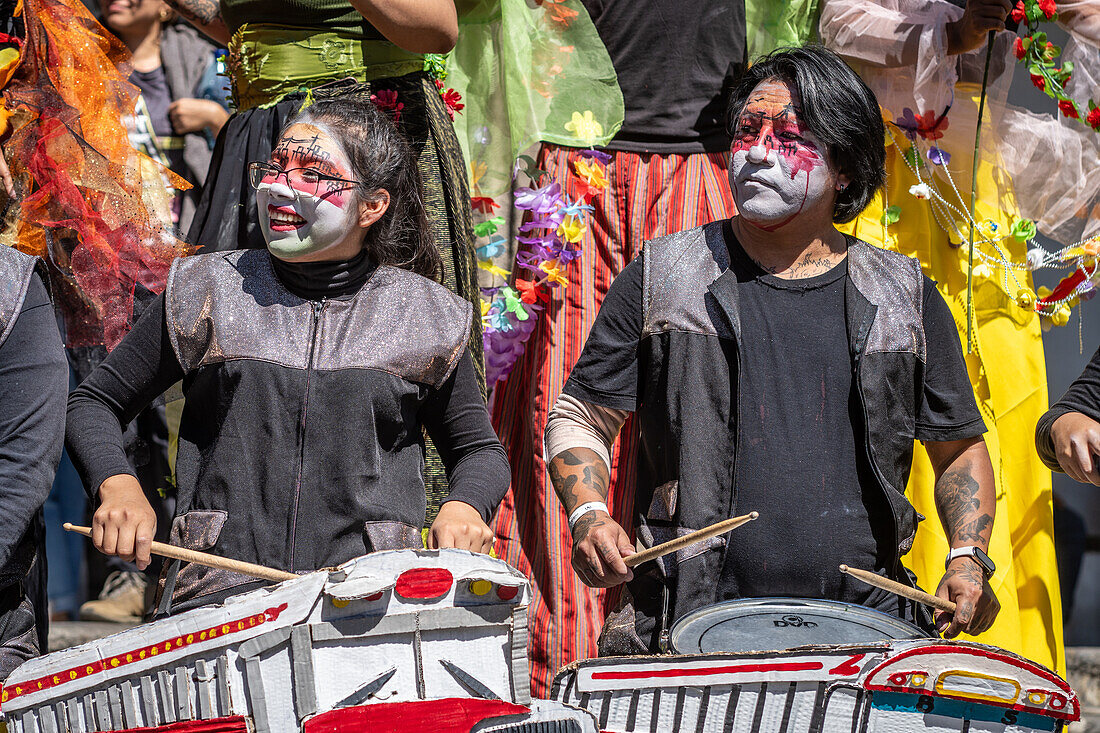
[(902, 590), (652, 553), (204, 558)]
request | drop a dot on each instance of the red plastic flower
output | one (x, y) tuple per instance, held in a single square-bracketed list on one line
[(386, 99), (1093, 118), (530, 292), (930, 126), (1068, 108), (1048, 8), (483, 204), (1039, 82), (1018, 48), (1018, 12), (452, 99)]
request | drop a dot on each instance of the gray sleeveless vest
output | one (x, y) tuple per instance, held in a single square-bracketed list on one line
[(688, 421)]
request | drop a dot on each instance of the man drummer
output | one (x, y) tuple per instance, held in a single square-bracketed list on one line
[(773, 364)]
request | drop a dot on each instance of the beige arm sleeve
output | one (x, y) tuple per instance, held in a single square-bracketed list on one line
[(574, 423)]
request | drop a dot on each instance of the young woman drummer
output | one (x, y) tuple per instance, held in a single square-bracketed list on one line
[(311, 371)]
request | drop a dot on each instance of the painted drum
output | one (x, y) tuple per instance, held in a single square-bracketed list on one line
[(766, 624)]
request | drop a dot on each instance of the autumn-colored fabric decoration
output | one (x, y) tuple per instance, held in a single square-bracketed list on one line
[(88, 203)]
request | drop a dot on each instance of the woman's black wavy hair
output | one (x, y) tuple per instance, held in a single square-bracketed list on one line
[(381, 159), (837, 107)]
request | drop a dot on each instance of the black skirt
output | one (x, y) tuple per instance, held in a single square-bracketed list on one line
[(226, 217)]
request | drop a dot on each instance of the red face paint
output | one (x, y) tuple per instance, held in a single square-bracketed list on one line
[(771, 149), (314, 151), (776, 127), (306, 203)]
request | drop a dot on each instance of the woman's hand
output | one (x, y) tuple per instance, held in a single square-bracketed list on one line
[(124, 523), (970, 31), (192, 115), (459, 525)]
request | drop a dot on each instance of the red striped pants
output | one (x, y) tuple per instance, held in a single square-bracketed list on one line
[(648, 196)]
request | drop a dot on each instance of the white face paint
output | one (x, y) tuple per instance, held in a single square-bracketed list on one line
[(777, 168), (302, 221)]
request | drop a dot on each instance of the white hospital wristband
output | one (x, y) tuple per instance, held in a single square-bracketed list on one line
[(590, 506)]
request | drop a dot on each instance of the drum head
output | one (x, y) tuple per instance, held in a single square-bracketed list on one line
[(765, 624)]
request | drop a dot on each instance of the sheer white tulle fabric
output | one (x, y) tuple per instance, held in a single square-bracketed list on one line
[(899, 47)]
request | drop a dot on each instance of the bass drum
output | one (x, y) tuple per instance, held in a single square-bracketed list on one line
[(769, 624)]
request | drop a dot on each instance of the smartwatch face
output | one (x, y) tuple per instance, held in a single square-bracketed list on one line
[(985, 561)]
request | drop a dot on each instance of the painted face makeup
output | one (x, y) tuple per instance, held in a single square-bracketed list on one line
[(301, 218), (777, 167)]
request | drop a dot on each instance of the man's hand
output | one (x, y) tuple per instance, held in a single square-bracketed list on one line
[(124, 523), (459, 525), (980, 17), (599, 546), (977, 606), (1076, 443)]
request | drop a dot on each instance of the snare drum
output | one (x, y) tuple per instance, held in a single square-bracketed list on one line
[(766, 624)]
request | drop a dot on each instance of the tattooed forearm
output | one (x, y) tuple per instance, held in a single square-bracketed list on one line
[(578, 475), (205, 14), (964, 492), (957, 494), (974, 531), (202, 12)]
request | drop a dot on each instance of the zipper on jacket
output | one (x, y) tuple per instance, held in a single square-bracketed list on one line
[(874, 467), (314, 331)]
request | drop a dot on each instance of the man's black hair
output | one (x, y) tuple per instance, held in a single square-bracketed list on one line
[(834, 104)]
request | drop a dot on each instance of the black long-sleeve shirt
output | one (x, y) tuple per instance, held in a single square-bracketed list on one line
[(34, 380), (144, 365), (1082, 396)]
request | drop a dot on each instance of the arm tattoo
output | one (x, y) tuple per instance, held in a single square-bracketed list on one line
[(200, 12), (563, 484), (972, 530), (587, 523), (578, 475), (967, 571), (960, 506)]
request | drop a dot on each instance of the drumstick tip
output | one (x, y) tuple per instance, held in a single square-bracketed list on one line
[(843, 568), (67, 526), (754, 515)]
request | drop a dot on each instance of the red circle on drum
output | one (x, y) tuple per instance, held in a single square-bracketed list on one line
[(424, 583)]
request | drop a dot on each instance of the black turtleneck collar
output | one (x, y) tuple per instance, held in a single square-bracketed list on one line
[(317, 280)]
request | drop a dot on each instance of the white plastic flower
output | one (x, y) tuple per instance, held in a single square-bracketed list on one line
[(921, 191), (1035, 258)]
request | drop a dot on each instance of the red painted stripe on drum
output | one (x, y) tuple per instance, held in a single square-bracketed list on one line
[(849, 666), (448, 715), (707, 671), (233, 724)]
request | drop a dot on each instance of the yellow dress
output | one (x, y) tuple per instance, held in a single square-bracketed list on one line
[(1008, 373)]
